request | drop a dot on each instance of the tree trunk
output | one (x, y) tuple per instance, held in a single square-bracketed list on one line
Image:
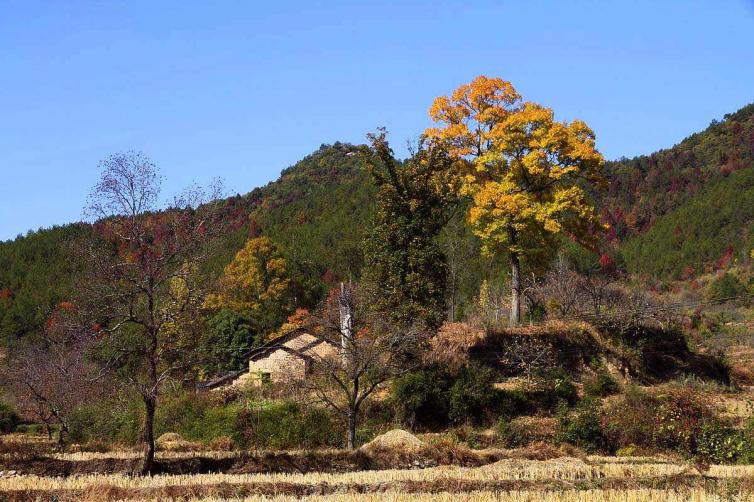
[(346, 323), (61, 436), (515, 317), (351, 442), (148, 460)]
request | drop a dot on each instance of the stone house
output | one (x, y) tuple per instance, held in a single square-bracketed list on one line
[(288, 357)]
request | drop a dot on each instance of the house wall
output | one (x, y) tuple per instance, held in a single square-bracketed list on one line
[(283, 366), (280, 365)]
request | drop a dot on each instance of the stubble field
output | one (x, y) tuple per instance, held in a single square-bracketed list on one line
[(565, 479)]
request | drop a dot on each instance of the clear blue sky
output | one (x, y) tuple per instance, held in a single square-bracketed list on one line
[(241, 90)]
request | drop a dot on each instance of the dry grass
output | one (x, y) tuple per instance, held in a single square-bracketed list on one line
[(564, 479), (645, 495), (565, 469)]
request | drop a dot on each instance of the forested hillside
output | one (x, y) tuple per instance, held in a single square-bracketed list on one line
[(673, 214), (35, 275), (317, 211), (684, 210)]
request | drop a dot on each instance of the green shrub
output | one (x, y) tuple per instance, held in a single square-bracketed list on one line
[(512, 403), (581, 426), (33, 429), (680, 417), (197, 417), (553, 388), (472, 396), (421, 398), (117, 420), (719, 444), (8, 418), (601, 385), (725, 287), (285, 425), (227, 337)]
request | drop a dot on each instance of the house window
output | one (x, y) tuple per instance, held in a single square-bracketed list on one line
[(266, 378)]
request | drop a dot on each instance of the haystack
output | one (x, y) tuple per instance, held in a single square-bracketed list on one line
[(394, 440), (171, 441)]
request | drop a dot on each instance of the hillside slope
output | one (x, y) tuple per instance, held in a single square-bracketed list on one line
[(682, 210), (708, 231), (317, 211)]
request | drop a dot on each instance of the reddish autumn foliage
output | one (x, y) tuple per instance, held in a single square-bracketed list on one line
[(725, 259), (254, 230), (329, 277), (607, 263), (299, 317)]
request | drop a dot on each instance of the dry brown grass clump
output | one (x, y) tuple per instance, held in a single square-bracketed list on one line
[(526, 430), (454, 343), (222, 443), (450, 346), (537, 451)]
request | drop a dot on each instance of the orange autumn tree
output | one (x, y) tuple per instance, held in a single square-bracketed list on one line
[(527, 174), (256, 282)]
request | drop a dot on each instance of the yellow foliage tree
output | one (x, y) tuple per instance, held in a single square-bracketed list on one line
[(256, 279), (526, 174)]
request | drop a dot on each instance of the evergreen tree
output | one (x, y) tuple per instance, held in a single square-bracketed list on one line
[(405, 265)]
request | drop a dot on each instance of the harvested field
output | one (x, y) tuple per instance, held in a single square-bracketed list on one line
[(433, 469), (564, 479)]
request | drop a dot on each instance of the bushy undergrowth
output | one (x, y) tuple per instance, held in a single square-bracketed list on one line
[(673, 418), (421, 398), (601, 385), (205, 419), (678, 420), (581, 426), (472, 396), (433, 399), (115, 420), (198, 417), (287, 425)]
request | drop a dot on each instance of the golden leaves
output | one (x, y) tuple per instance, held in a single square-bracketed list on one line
[(257, 275), (529, 171)]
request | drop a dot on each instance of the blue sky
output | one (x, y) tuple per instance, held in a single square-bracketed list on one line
[(241, 90)]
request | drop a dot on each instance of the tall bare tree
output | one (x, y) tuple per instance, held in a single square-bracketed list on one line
[(142, 291), (370, 351)]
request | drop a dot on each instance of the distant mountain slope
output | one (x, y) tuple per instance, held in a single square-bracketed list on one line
[(706, 232), (644, 188), (682, 208), (319, 209), (35, 275)]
